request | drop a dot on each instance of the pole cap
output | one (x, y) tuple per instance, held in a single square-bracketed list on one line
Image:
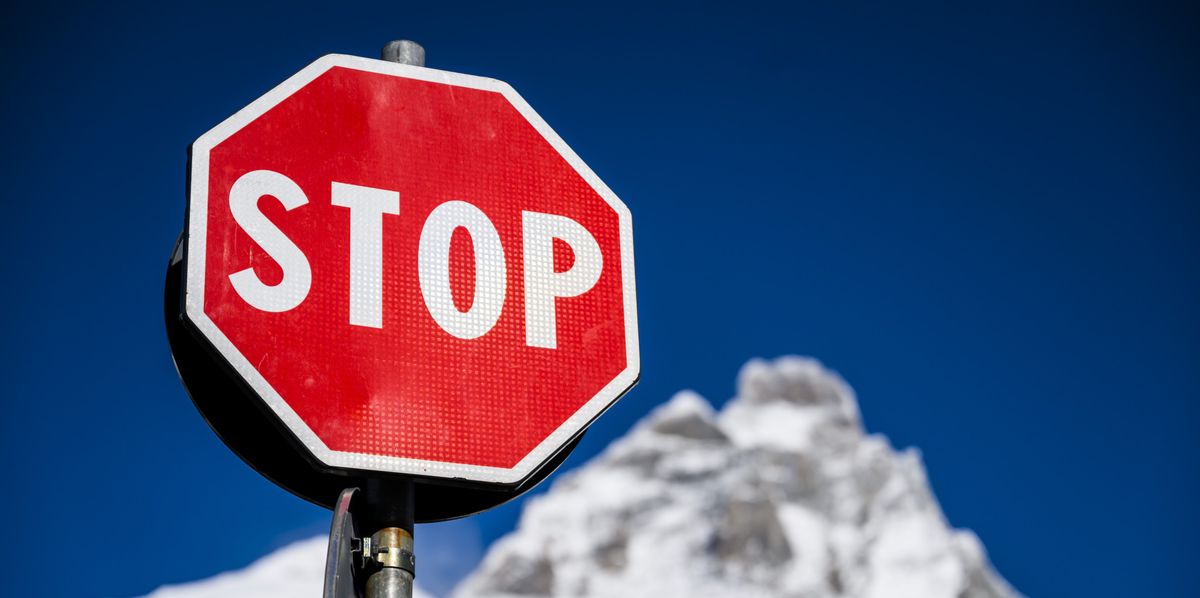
[(405, 52)]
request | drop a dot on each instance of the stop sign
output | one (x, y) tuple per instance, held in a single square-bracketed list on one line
[(411, 270)]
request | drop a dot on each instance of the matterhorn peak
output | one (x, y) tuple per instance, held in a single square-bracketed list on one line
[(781, 493)]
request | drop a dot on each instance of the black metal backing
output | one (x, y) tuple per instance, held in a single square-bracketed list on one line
[(341, 580), (248, 427)]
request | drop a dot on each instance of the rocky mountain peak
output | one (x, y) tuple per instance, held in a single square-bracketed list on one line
[(781, 493)]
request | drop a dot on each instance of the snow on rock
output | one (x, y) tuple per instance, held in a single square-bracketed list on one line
[(780, 494), (294, 571)]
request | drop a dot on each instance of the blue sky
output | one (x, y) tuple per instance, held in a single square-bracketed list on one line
[(983, 216)]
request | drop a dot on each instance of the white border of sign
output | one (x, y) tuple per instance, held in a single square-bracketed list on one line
[(194, 302)]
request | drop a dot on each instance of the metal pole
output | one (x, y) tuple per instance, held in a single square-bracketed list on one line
[(393, 547), (388, 509), (387, 504)]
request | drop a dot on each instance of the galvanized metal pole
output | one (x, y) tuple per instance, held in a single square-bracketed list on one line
[(390, 505), (384, 506), (393, 551), (388, 552)]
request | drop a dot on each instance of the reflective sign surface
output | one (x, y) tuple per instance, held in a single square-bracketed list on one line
[(412, 270)]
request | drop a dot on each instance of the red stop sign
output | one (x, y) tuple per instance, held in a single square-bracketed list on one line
[(412, 270)]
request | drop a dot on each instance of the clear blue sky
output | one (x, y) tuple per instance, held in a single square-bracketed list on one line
[(984, 217)]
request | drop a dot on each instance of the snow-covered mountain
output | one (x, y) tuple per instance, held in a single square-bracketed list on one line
[(779, 494)]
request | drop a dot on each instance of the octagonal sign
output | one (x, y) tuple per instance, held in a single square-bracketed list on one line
[(411, 270)]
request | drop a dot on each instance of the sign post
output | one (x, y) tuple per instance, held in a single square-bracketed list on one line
[(399, 294), (389, 551)]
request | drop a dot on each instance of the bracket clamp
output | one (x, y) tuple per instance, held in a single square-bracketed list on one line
[(390, 547)]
